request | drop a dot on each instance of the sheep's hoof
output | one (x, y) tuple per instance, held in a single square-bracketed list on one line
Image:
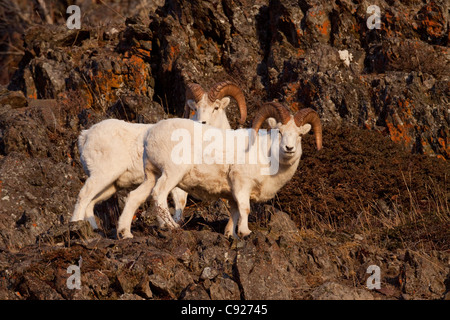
[(244, 233), (168, 223), (231, 235), (178, 220), (178, 217), (124, 234), (92, 222), (173, 226)]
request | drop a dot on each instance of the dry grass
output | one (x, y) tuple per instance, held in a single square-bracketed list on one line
[(416, 226)]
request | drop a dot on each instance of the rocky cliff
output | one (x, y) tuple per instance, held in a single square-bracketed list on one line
[(378, 193)]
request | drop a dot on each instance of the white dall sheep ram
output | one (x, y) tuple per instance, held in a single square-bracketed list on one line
[(239, 182), (111, 151)]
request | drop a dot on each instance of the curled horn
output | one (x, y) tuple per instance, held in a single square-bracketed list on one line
[(310, 116), (194, 92), (271, 109), (228, 88)]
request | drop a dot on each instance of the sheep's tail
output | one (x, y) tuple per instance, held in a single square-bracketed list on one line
[(81, 144), (82, 140)]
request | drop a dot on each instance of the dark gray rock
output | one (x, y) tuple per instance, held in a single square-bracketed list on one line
[(336, 291), (224, 288)]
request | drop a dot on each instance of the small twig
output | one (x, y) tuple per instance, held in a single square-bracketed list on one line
[(76, 38), (12, 53), (48, 19), (112, 9)]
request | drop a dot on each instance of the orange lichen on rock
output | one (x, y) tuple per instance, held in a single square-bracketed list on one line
[(325, 27), (432, 27), (138, 74), (300, 53), (174, 51), (444, 146), (104, 83), (32, 95), (400, 126), (405, 107), (316, 13), (400, 133), (433, 21), (290, 95), (403, 128)]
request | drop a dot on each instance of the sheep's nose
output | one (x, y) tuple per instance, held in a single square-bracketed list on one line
[(289, 148)]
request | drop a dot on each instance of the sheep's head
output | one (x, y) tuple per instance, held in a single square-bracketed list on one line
[(210, 107), (290, 127)]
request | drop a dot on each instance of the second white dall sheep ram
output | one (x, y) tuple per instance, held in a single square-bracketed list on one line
[(237, 181), (111, 151)]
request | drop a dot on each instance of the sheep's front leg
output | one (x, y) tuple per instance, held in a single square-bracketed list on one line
[(242, 197), (244, 211), (179, 199), (230, 229)]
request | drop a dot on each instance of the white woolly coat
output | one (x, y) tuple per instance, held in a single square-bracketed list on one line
[(212, 181), (124, 158)]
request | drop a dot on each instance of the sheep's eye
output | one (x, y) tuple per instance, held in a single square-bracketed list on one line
[(216, 108)]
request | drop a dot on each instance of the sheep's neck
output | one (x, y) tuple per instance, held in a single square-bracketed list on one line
[(273, 183)]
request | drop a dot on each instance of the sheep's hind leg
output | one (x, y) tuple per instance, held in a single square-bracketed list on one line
[(134, 200), (159, 195), (102, 196), (92, 187)]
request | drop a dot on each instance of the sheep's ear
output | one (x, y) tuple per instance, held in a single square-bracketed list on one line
[(224, 102), (272, 122), (191, 104), (305, 128)]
